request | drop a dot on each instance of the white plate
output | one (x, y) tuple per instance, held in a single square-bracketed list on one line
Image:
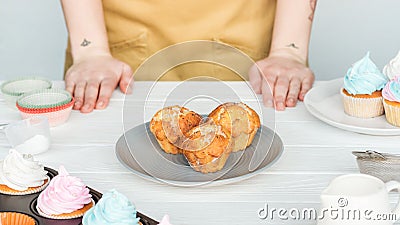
[(138, 151), (325, 102)]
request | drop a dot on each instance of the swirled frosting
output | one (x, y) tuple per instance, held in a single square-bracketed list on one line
[(391, 92), (364, 77), (64, 194), (165, 221), (19, 171), (392, 69), (112, 209)]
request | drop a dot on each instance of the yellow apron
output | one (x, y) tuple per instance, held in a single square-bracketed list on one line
[(139, 28)]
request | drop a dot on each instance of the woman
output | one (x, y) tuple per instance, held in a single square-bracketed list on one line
[(109, 39)]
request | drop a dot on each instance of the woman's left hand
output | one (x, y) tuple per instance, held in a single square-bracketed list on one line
[(282, 78)]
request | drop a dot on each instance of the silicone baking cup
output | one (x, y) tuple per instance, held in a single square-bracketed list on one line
[(55, 104), (13, 89)]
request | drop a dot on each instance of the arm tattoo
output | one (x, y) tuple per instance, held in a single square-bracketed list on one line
[(292, 45), (85, 43), (313, 4)]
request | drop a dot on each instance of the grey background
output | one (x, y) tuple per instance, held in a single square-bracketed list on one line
[(33, 36)]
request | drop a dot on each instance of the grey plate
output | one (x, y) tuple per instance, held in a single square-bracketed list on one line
[(139, 151)]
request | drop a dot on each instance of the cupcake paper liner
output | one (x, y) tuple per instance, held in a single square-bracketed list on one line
[(44, 99), (8, 191), (392, 113), (46, 110), (13, 89), (56, 115), (75, 214), (23, 85), (14, 218), (362, 107)]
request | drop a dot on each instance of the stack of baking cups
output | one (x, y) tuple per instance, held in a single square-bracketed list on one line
[(14, 89), (55, 104)]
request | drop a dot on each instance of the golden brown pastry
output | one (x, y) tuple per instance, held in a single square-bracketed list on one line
[(208, 147), (170, 125), (242, 121)]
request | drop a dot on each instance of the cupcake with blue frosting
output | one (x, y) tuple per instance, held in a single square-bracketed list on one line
[(391, 101), (362, 89), (112, 209)]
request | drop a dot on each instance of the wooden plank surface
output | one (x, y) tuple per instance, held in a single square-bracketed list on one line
[(314, 154)]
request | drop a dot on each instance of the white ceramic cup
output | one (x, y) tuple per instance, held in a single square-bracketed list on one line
[(358, 199)]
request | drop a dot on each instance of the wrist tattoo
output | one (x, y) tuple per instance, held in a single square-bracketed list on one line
[(313, 4), (292, 45), (85, 43)]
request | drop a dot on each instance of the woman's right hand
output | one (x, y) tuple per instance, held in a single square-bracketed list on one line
[(92, 80)]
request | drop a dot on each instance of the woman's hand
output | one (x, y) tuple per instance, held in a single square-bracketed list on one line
[(92, 80), (284, 79)]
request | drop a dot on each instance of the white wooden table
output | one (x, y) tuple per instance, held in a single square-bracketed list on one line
[(314, 153)]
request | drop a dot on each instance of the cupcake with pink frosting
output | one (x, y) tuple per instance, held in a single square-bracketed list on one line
[(65, 197), (165, 221), (391, 101)]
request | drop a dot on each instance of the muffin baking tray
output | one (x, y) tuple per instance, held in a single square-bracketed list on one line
[(27, 204)]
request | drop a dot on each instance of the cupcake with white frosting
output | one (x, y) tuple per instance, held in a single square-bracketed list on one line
[(20, 174), (392, 69)]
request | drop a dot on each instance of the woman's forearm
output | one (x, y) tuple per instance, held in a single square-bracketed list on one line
[(292, 27), (86, 27)]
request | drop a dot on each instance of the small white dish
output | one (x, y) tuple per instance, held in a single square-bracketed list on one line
[(325, 103)]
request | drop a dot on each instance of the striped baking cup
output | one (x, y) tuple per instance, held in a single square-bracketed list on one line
[(55, 104), (13, 89)]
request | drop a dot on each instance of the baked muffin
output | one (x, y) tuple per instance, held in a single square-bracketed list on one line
[(240, 120), (208, 147), (362, 89), (170, 125)]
